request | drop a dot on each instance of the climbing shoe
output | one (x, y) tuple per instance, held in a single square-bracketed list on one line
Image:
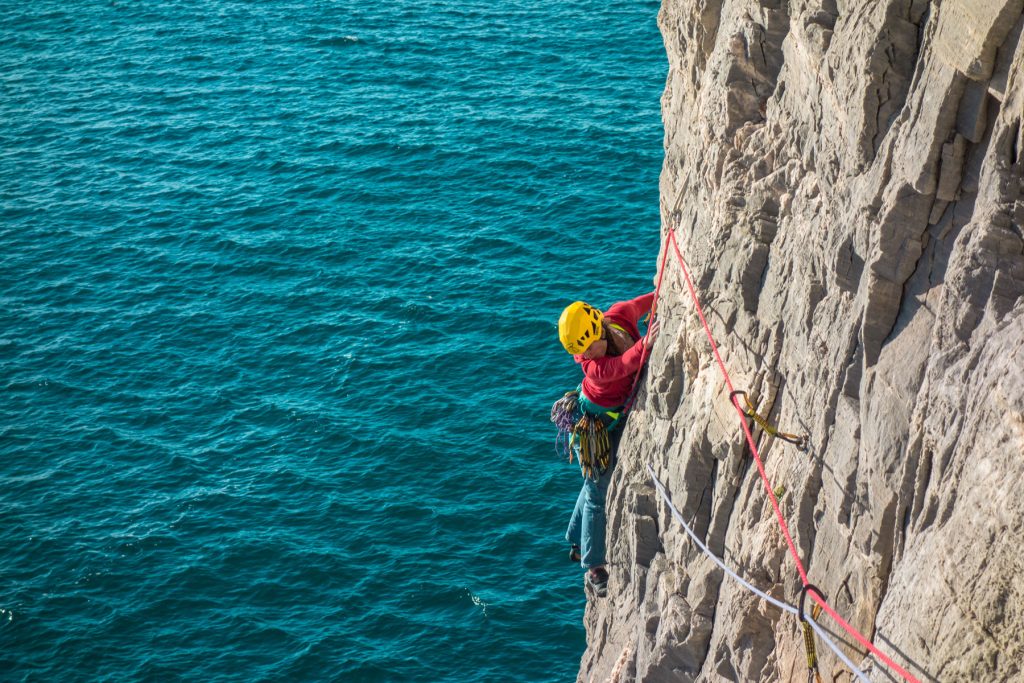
[(597, 579), (574, 553)]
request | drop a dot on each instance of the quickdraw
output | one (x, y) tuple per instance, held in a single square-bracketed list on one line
[(595, 447), (813, 675), (799, 441)]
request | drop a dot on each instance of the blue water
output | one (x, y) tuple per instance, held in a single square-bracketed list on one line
[(279, 287)]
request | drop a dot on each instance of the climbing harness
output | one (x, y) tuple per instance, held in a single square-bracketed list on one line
[(584, 428), (813, 675), (799, 441)]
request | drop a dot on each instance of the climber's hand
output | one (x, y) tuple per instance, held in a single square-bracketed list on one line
[(652, 332)]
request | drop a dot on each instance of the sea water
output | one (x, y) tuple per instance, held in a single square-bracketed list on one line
[(280, 283)]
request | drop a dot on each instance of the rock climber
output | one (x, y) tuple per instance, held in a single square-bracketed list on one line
[(609, 349)]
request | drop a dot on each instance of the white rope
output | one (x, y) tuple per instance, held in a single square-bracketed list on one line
[(679, 518), (832, 646), (764, 596)]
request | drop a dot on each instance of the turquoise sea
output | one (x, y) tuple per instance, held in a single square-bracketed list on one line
[(279, 286)]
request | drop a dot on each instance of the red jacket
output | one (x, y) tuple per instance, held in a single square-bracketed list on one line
[(607, 381)]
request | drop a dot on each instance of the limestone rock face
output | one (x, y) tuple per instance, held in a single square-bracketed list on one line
[(845, 179)]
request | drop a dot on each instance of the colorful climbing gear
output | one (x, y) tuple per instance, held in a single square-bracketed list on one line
[(799, 441), (594, 445), (565, 413), (579, 326), (584, 429), (813, 675)]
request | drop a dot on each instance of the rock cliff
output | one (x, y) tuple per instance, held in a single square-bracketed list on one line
[(845, 179)]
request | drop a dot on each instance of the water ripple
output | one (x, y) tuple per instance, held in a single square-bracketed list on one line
[(278, 291)]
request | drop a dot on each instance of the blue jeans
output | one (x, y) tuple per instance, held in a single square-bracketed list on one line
[(587, 524)]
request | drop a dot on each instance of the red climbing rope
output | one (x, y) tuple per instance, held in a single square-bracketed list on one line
[(647, 346), (820, 599)]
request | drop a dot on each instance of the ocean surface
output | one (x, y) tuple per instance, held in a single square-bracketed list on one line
[(280, 283)]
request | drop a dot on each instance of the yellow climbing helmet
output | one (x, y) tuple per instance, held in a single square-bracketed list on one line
[(579, 326)]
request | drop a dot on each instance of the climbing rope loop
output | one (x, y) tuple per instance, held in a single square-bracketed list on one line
[(565, 413)]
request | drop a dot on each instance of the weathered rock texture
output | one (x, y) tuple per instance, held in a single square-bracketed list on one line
[(846, 178)]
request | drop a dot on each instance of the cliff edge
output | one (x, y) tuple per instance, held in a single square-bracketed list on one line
[(844, 178)]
